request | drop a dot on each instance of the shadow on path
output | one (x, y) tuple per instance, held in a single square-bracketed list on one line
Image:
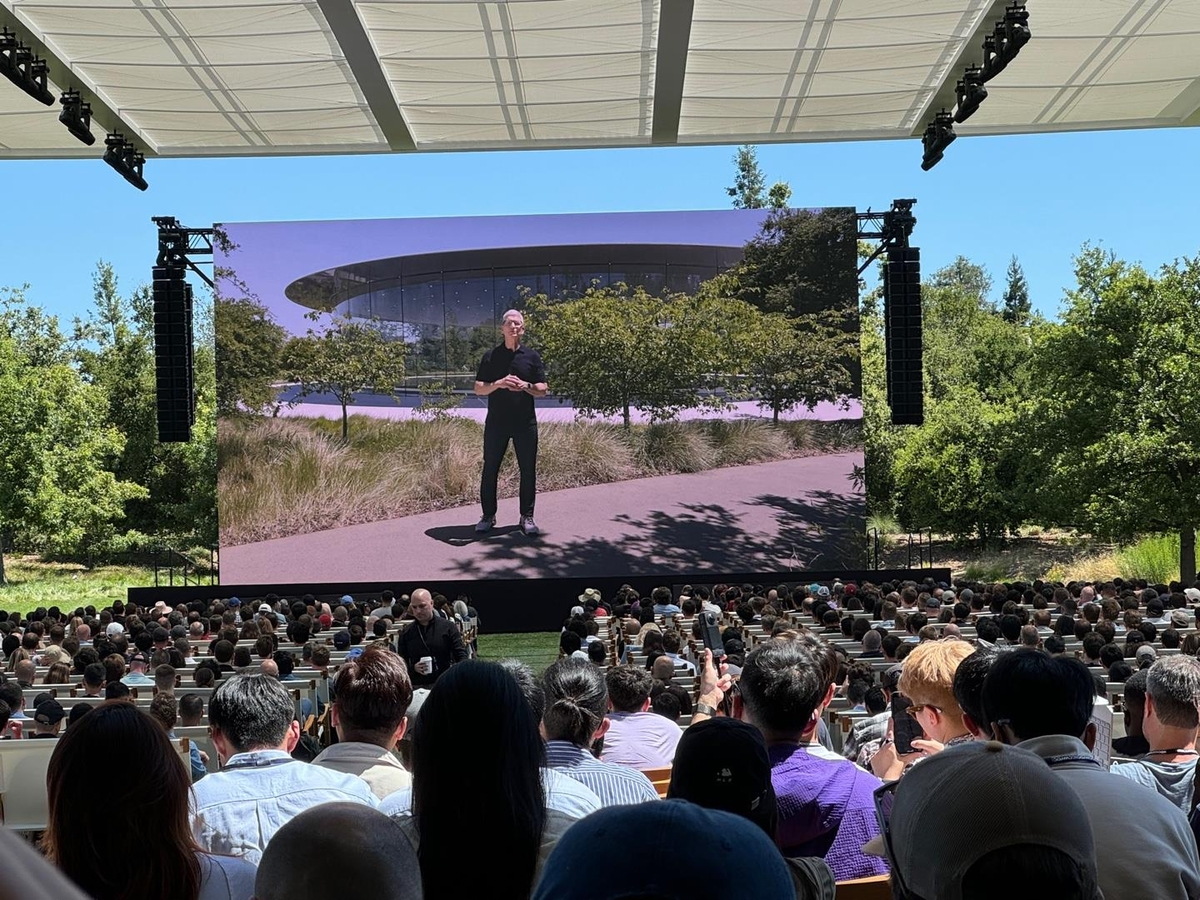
[(819, 528), (461, 535)]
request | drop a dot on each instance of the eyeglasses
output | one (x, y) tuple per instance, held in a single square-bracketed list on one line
[(913, 710), (885, 796)]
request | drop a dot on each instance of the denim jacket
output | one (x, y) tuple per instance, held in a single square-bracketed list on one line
[(237, 810)]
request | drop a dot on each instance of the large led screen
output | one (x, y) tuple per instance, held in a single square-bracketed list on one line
[(682, 390)]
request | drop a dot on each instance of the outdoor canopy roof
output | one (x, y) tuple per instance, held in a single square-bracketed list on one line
[(281, 77)]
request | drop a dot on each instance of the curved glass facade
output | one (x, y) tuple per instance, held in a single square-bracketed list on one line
[(448, 305)]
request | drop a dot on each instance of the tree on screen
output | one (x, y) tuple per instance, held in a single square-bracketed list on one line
[(1119, 411), (249, 346), (619, 348), (798, 361), (348, 357)]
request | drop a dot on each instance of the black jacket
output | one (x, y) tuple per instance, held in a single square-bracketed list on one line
[(440, 639)]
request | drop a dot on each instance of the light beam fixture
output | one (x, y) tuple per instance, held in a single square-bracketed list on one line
[(77, 116), (28, 72), (1006, 40), (970, 93), (939, 135), (125, 158)]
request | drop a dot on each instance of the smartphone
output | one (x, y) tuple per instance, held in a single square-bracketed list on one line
[(710, 633), (905, 728)]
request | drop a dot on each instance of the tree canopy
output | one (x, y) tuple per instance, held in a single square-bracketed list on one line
[(347, 357)]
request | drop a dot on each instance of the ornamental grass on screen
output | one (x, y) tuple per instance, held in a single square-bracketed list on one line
[(280, 477)]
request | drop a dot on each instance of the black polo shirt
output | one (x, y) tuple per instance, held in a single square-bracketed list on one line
[(505, 406)]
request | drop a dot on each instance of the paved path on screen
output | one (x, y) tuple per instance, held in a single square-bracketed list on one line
[(741, 518)]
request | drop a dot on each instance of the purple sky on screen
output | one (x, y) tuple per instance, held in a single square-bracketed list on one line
[(271, 255)]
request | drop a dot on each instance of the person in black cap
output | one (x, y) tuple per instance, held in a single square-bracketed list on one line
[(48, 719), (722, 764)]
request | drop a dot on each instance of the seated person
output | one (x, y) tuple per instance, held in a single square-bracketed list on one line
[(826, 806), (636, 737), (1170, 725), (1035, 833)]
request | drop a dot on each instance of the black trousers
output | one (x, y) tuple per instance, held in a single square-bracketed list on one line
[(524, 437)]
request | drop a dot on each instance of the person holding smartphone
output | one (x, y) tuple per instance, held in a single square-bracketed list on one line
[(927, 684)]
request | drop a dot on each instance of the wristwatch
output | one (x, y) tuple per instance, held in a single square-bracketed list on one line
[(703, 709)]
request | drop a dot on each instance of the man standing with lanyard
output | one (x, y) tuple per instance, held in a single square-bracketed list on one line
[(510, 376), (431, 644)]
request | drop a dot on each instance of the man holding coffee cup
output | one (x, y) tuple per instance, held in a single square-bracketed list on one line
[(431, 644)]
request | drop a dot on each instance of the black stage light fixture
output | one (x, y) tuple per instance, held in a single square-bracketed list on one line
[(970, 92), (77, 116), (1006, 40), (28, 72), (938, 136), (124, 157)]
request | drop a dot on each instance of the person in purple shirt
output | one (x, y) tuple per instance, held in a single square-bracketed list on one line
[(826, 807)]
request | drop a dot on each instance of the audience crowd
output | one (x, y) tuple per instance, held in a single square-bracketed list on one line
[(951, 740)]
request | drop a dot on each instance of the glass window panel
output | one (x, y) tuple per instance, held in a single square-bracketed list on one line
[(424, 316)]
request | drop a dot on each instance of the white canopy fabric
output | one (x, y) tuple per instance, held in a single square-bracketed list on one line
[(283, 77)]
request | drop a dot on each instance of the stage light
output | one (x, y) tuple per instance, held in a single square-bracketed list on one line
[(125, 158), (77, 116), (938, 136), (970, 92), (22, 68), (1005, 42)]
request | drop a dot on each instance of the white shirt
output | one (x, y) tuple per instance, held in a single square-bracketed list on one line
[(237, 811), (640, 740)]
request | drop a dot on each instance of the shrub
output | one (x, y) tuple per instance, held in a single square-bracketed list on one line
[(744, 441), (1155, 558), (670, 447)]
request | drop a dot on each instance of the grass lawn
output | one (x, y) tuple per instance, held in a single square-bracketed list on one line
[(537, 650), (33, 583)]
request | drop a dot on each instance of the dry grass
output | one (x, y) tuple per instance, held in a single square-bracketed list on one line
[(280, 477)]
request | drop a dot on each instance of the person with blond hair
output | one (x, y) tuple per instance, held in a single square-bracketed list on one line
[(927, 679)]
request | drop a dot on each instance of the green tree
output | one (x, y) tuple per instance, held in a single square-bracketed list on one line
[(1016, 294), (797, 361), (749, 181), (802, 262), (1119, 402), (347, 357), (249, 347), (617, 348), (57, 492), (963, 471), (749, 190), (114, 351), (972, 278)]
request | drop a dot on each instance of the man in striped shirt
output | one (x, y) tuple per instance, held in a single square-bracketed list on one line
[(574, 719)]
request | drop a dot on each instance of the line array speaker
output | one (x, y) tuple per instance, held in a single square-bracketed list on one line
[(173, 354), (902, 335)]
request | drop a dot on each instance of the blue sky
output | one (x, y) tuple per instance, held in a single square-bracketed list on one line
[(1038, 196)]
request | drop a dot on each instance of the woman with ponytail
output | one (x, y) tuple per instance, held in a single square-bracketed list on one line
[(573, 721)]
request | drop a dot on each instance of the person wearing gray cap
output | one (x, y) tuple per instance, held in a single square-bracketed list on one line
[(1033, 841), (1045, 704)]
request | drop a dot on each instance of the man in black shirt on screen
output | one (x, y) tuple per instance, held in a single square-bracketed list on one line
[(510, 376)]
